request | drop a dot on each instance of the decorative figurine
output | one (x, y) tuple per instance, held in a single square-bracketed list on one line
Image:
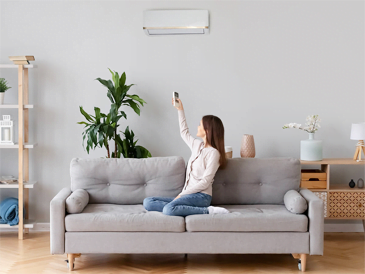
[(6, 131), (360, 183)]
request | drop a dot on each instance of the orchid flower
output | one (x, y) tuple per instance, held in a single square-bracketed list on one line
[(312, 124)]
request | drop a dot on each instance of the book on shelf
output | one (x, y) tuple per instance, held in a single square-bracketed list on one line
[(22, 58)]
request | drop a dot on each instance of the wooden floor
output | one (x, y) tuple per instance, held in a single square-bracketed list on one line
[(343, 253)]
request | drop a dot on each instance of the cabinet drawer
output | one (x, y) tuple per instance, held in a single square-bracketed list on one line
[(322, 195), (314, 175), (347, 204), (313, 184)]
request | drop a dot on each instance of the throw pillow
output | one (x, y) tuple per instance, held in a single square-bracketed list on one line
[(76, 202), (294, 202)]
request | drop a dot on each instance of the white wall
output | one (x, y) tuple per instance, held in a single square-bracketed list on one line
[(264, 64)]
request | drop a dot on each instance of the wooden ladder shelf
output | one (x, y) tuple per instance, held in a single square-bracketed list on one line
[(22, 146)]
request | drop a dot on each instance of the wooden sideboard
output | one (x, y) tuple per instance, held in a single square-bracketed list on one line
[(340, 200)]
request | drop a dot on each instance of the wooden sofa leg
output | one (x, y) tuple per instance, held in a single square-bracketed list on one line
[(296, 255), (71, 260), (303, 259)]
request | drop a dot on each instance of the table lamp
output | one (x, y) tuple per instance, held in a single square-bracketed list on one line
[(358, 133)]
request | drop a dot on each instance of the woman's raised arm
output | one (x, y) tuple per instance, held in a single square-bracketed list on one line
[(184, 130)]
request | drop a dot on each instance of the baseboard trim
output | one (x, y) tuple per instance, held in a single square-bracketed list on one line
[(337, 226), (41, 227), (37, 227)]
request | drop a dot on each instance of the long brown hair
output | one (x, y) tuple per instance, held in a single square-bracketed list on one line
[(214, 131)]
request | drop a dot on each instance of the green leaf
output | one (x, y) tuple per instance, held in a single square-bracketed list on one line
[(108, 118), (116, 80), (97, 114), (125, 148), (136, 98), (83, 123), (115, 77), (144, 152), (111, 73), (110, 96), (127, 133), (133, 105), (120, 150), (87, 116), (93, 135), (122, 80), (110, 131), (118, 95), (108, 84), (100, 139), (113, 112), (123, 114)]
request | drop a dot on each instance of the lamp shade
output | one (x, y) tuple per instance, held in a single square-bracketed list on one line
[(358, 131)]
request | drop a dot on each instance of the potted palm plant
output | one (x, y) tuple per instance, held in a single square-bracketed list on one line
[(3, 87), (101, 128)]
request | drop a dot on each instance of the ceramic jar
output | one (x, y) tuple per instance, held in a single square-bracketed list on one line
[(311, 149), (247, 146), (229, 151), (360, 183)]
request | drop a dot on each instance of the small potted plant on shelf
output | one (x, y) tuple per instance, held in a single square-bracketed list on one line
[(3, 88)]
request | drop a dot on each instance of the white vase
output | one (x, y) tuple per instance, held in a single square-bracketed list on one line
[(311, 149), (2, 94)]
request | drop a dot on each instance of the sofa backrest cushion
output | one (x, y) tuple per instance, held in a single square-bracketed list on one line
[(128, 180), (256, 180)]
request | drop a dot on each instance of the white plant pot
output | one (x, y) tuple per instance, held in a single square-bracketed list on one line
[(310, 149), (2, 94)]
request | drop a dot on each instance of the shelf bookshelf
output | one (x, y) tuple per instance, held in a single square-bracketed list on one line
[(345, 187), (341, 201), (26, 145), (17, 66), (15, 106), (25, 185), (22, 146), (27, 224)]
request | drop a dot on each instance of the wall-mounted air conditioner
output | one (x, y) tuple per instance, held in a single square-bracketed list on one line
[(167, 22)]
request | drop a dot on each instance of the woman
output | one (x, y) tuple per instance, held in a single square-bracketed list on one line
[(206, 158)]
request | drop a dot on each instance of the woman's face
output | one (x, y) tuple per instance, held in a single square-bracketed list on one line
[(201, 131)]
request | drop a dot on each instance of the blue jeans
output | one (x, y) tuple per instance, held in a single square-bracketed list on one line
[(189, 204)]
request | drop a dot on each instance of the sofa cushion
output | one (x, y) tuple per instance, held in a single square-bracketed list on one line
[(248, 181), (128, 181), (111, 217), (248, 218)]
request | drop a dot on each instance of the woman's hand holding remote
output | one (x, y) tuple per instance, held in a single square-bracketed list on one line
[(180, 107)]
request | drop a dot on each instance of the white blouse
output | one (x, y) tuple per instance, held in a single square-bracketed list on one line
[(202, 165)]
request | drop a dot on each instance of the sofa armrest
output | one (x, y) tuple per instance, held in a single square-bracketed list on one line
[(315, 215), (57, 223)]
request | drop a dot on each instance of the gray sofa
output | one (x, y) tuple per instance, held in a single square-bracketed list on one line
[(252, 189)]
